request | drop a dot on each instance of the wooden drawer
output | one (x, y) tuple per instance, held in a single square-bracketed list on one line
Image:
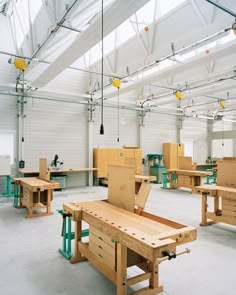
[(102, 237), (229, 208), (102, 250), (103, 247)]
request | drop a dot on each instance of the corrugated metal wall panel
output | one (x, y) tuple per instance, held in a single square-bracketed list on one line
[(57, 128), (196, 131), (158, 128), (8, 122), (128, 128)]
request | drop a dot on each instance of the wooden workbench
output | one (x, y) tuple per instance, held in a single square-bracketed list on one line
[(50, 172), (119, 239), (224, 209), (35, 194), (186, 178)]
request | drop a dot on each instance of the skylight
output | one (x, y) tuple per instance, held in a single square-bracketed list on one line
[(153, 10), (20, 16)]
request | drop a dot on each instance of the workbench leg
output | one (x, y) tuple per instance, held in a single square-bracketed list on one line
[(20, 197), (204, 210), (78, 235), (121, 280), (216, 206), (49, 199), (154, 280)]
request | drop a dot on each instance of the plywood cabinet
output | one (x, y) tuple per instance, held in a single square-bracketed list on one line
[(102, 157), (172, 152)]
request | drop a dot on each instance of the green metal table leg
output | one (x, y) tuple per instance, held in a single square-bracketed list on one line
[(68, 236), (16, 196), (8, 192), (165, 180)]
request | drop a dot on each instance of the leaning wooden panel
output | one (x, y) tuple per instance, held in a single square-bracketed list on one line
[(121, 186), (226, 175)]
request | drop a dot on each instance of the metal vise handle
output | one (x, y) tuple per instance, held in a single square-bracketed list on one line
[(168, 257)]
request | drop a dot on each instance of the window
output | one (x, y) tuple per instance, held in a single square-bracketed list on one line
[(7, 144), (20, 17)]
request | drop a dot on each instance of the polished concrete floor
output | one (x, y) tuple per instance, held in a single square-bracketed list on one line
[(31, 265)]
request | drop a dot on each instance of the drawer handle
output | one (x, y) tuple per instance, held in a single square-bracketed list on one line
[(100, 255), (100, 246), (100, 238)]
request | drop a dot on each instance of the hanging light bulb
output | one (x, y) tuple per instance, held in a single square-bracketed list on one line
[(20, 63)]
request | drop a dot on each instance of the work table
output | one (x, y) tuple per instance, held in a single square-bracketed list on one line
[(115, 232)]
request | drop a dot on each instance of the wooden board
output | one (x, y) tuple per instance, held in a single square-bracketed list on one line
[(43, 170), (143, 195), (121, 186), (226, 175), (34, 184), (64, 170), (185, 163), (189, 172)]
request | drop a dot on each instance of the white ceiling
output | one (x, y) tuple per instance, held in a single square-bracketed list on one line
[(205, 79)]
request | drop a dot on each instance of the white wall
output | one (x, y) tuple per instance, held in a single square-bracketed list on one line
[(8, 124)]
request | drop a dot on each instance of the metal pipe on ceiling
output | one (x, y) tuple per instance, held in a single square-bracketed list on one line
[(48, 63), (50, 35), (197, 116), (181, 51)]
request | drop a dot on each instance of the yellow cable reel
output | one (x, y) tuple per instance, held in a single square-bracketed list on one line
[(20, 63), (179, 94)]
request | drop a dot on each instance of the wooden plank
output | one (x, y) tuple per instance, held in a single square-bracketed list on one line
[(143, 195), (222, 218), (185, 163), (189, 172), (229, 212), (226, 175), (44, 172), (121, 186), (148, 291), (138, 278), (35, 184), (230, 203), (36, 171)]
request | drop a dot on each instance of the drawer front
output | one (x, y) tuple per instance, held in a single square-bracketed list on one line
[(103, 237), (102, 250), (102, 245), (229, 208)]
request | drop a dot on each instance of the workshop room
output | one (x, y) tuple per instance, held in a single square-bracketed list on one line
[(117, 147)]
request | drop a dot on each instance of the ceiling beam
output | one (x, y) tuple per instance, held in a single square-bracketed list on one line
[(115, 14)]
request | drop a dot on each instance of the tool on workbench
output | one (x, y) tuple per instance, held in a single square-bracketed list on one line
[(55, 162)]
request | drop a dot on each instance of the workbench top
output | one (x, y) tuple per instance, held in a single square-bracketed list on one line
[(36, 184), (144, 234), (189, 172), (28, 171)]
